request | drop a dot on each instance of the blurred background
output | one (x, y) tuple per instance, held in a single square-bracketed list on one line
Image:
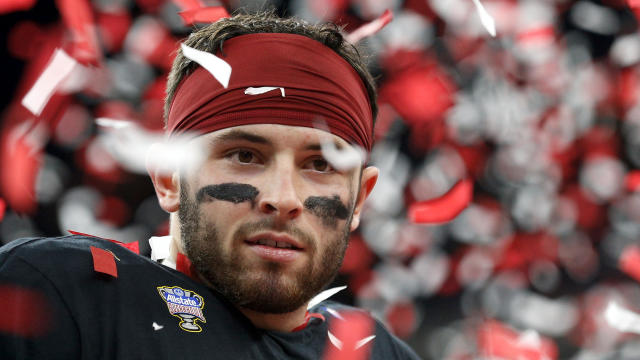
[(506, 221)]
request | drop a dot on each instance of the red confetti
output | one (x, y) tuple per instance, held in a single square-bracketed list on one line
[(444, 208), (629, 262), (25, 39), (7, 6), (407, 92), (77, 16), (358, 256), (208, 14), (113, 210), (370, 28), (632, 180), (113, 27), (133, 246), (351, 337), (497, 340), (183, 264), (627, 89), (21, 158), (3, 208), (402, 319), (188, 4), (25, 312), (104, 261)]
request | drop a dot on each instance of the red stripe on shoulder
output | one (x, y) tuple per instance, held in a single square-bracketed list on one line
[(133, 246)]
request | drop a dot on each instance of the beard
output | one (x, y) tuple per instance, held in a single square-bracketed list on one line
[(267, 287)]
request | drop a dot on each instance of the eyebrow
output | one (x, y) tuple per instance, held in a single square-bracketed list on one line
[(318, 147), (235, 135)]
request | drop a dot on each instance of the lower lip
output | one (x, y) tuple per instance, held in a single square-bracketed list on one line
[(276, 254)]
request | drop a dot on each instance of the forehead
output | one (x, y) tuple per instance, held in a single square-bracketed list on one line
[(276, 135)]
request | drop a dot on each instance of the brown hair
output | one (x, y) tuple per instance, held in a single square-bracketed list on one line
[(212, 37)]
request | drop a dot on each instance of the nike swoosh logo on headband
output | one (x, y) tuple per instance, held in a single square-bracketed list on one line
[(262, 90)]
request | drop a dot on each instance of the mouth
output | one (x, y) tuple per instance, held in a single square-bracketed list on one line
[(275, 248), (275, 241)]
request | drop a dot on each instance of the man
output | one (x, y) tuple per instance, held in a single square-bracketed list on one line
[(258, 228)]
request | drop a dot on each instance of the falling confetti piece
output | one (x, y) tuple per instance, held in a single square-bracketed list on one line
[(348, 339), (629, 261), (335, 313), (219, 68), (203, 15), (78, 17), (156, 326), (262, 90), (21, 159), (485, 18), (160, 247), (3, 208), (632, 180), (104, 261), (324, 296), (188, 4), (344, 159), (622, 319), (113, 123), (444, 208), (134, 147), (498, 340), (7, 6), (56, 71), (370, 28), (25, 312)]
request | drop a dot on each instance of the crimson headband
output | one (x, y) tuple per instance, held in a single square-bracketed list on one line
[(318, 85)]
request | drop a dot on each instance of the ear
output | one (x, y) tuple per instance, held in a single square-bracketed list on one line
[(367, 182), (165, 181)]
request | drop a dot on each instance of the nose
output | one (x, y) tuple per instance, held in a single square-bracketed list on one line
[(279, 196)]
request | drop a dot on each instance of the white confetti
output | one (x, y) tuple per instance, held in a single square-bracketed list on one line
[(113, 123), (157, 327), (342, 159), (262, 90), (334, 340), (363, 341), (324, 296), (370, 28), (335, 313), (220, 69), (56, 71), (485, 18), (160, 247), (622, 319), (134, 147)]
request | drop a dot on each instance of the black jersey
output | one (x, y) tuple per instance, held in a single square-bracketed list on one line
[(60, 307)]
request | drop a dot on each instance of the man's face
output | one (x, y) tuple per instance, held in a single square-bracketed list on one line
[(265, 220)]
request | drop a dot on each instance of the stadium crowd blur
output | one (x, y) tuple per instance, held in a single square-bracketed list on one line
[(506, 221)]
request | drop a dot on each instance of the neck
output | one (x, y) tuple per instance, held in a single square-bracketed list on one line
[(176, 242)]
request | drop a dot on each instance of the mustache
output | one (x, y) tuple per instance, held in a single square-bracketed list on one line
[(247, 229)]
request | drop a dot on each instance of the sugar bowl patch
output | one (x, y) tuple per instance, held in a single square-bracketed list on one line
[(185, 305)]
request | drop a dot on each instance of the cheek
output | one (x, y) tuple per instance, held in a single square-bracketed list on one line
[(329, 209)]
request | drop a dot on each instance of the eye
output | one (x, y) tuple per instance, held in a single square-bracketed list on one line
[(319, 165), (243, 157)]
